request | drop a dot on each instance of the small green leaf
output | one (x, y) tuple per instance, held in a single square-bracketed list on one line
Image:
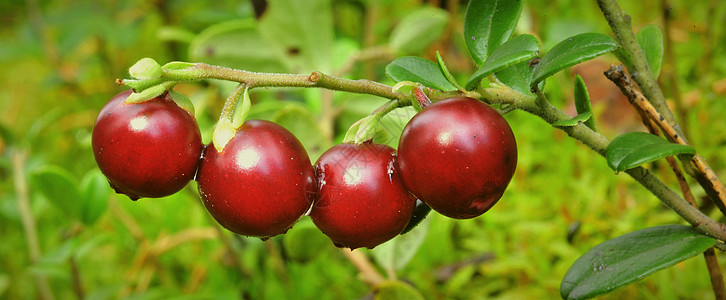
[(182, 101), (59, 187), (419, 29), (446, 72), (582, 101), (398, 252), (178, 65), (146, 68), (362, 130), (650, 39), (572, 51), (396, 290), (517, 77), (631, 257), (636, 148), (488, 24), (301, 32), (146, 94), (243, 103), (581, 118), (514, 51), (94, 196), (236, 44), (418, 69)]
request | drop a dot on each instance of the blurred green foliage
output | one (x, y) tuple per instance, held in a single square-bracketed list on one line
[(59, 60)]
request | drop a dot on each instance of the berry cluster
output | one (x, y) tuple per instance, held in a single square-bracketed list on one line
[(457, 156)]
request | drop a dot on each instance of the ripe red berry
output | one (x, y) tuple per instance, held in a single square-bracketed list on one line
[(361, 199), (149, 149), (458, 156), (260, 184)]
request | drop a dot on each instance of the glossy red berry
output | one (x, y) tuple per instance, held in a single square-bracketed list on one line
[(149, 149), (361, 199), (260, 184), (458, 156)]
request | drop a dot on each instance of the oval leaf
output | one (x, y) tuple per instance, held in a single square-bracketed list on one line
[(488, 24), (650, 39), (636, 148), (517, 77), (398, 252), (419, 29), (236, 44), (582, 101), (516, 50), (631, 257), (446, 72), (581, 118), (572, 51), (418, 69), (94, 194), (300, 31), (59, 187)]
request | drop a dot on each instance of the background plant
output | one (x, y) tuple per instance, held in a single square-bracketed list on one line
[(517, 249)]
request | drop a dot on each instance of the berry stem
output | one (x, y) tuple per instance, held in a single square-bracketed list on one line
[(201, 71)]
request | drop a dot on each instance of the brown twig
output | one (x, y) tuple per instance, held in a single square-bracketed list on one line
[(618, 76), (715, 273), (714, 270)]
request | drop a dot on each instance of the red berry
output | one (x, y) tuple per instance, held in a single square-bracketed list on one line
[(361, 199), (260, 184), (458, 156), (149, 149)]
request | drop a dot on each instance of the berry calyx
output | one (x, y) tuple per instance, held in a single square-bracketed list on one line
[(260, 183), (148, 149), (361, 200), (458, 156)]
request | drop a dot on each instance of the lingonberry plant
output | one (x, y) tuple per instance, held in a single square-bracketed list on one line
[(456, 155)]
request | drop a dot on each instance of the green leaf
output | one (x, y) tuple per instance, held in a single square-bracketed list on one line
[(446, 72), (236, 44), (582, 101), (514, 51), (581, 118), (301, 32), (146, 94), (146, 68), (398, 252), (488, 24), (59, 187), (182, 101), (396, 290), (572, 51), (636, 148), (631, 257), (419, 29), (650, 39), (517, 77), (418, 69), (94, 196)]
